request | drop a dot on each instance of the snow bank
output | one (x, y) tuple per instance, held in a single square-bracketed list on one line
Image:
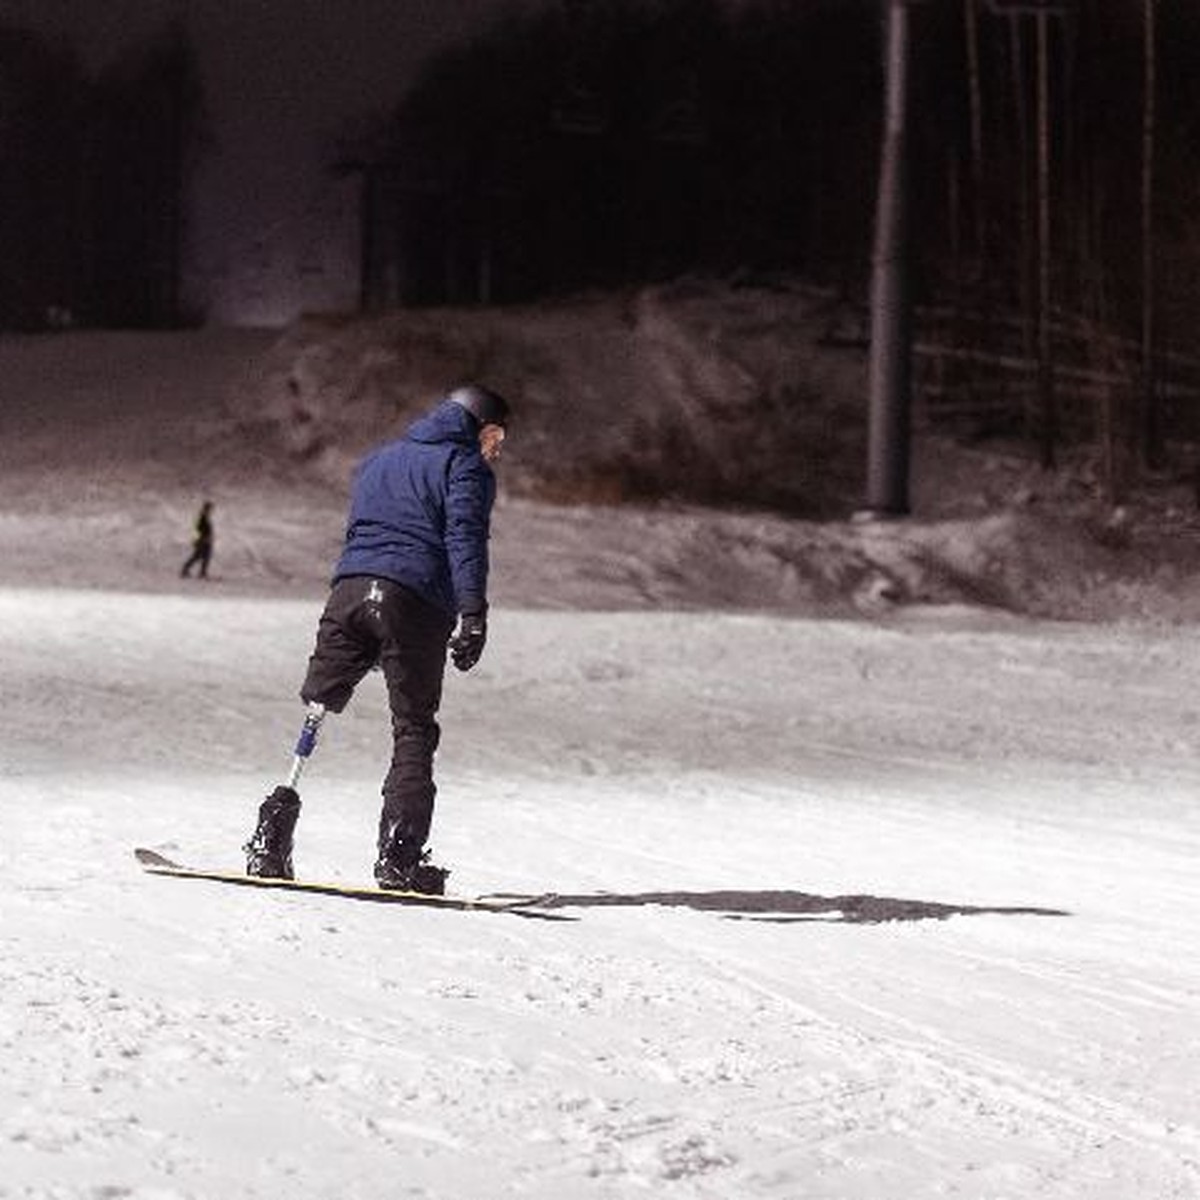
[(693, 392), (108, 443)]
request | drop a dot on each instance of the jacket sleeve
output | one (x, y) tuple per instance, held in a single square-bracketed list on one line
[(470, 492)]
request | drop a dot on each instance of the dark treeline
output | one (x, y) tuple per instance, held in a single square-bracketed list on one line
[(1054, 169), (602, 141), (598, 142), (92, 196)]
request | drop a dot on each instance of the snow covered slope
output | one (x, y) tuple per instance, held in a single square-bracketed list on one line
[(864, 912), (874, 909)]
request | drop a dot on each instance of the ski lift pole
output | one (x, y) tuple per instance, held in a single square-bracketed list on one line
[(890, 366)]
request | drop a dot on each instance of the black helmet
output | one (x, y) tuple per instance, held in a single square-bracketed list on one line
[(488, 408)]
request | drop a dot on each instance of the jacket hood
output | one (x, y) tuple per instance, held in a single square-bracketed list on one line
[(447, 423)]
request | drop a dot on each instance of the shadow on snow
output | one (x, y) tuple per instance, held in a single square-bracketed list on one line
[(786, 907)]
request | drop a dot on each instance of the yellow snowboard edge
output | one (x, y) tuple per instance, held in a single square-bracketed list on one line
[(155, 863)]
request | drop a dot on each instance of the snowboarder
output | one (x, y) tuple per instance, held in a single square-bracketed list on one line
[(202, 543), (414, 563)]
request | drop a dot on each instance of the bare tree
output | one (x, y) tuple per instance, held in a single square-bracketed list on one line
[(1151, 431), (975, 94)]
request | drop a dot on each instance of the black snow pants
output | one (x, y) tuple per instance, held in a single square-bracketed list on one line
[(368, 621)]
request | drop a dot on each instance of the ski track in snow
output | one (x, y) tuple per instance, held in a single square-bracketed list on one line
[(864, 911)]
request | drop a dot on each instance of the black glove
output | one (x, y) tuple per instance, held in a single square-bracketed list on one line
[(467, 643)]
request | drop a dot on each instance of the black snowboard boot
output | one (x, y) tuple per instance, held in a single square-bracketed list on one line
[(403, 867), (269, 850)]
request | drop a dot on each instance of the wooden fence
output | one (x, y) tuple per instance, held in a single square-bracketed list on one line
[(978, 374)]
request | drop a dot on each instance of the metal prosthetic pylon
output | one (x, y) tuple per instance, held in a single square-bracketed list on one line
[(306, 743)]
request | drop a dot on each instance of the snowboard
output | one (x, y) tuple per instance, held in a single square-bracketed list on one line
[(519, 906)]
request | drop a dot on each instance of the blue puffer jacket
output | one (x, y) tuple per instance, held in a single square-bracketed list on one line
[(420, 512)]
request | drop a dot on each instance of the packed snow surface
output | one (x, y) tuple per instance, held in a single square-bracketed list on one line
[(892, 907)]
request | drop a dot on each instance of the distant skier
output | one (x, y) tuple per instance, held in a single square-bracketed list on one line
[(415, 562), (202, 543)]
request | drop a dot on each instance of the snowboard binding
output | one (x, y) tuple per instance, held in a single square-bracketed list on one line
[(269, 850), (403, 866)]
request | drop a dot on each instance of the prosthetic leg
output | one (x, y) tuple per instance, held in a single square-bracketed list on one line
[(306, 743), (269, 850)]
